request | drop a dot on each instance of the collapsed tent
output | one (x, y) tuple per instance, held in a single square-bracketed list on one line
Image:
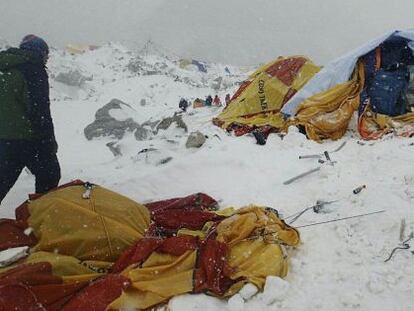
[(93, 247), (258, 101), (373, 80), (185, 63)]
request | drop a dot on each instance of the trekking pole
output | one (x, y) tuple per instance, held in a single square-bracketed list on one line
[(289, 181), (310, 156), (317, 156), (328, 161)]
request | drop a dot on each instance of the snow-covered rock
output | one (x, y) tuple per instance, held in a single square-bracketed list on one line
[(195, 140)]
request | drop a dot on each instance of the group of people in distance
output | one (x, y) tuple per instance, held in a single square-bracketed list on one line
[(208, 102)]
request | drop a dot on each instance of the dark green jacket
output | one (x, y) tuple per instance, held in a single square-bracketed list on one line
[(15, 98)]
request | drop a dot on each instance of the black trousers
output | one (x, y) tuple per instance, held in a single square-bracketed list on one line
[(40, 159)]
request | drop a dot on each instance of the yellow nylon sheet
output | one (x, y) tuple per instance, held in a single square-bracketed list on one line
[(267, 90), (327, 114), (255, 237), (99, 228), (81, 238)]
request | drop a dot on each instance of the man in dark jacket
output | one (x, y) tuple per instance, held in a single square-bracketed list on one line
[(209, 100), (27, 136), (183, 104)]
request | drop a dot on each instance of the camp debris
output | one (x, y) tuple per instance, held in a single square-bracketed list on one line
[(375, 82), (320, 155), (318, 207), (79, 48), (328, 161), (372, 81), (402, 246), (258, 101), (187, 63), (108, 251), (359, 189)]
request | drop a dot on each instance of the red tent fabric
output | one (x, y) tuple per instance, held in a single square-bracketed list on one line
[(34, 287), (99, 294), (12, 234)]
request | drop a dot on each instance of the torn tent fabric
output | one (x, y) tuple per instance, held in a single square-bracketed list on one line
[(112, 253), (245, 247), (327, 114), (357, 82), (258, 101)]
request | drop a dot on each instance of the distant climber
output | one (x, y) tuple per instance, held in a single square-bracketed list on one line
[(183, 105), (217, 101), (27, 137), (227, 99), (209, 101)]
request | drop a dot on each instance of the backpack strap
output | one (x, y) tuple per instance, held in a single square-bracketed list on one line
[(377, 58)]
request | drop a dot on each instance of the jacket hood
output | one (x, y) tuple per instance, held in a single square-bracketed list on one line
[(14, 57)]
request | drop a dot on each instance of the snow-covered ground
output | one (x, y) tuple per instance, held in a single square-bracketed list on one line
[(338, 266)]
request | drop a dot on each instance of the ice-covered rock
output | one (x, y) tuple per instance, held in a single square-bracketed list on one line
[(106, 125), (167, 122)]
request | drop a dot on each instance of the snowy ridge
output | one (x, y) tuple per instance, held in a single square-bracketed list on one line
[(339, 266)]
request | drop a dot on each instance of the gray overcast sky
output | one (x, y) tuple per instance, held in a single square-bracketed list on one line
[(230, 31)]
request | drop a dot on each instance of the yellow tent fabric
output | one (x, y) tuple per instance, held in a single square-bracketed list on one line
[(327, 114), (70, 268), (184, 63), (375, 125), (161, 277), (82, 238), (260, 98), (78, 48), (99, 228), (256, 239)]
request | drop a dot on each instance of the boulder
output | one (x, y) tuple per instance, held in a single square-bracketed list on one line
[(195, 140), (167, 122)]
